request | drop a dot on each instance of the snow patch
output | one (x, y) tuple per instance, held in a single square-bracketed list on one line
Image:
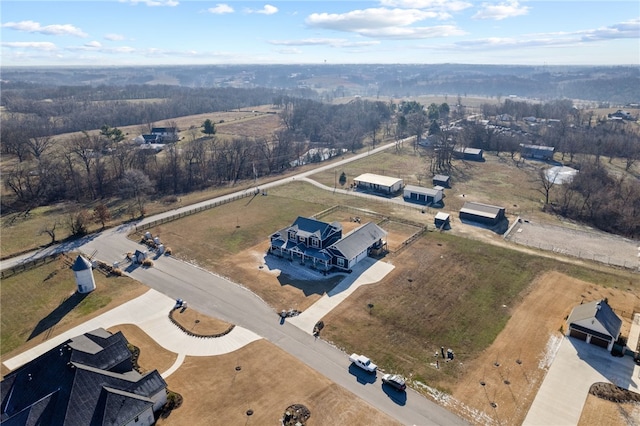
[(444, 399), (550, 351)]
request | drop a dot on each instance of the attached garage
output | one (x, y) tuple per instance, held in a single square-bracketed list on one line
[(595, 323)]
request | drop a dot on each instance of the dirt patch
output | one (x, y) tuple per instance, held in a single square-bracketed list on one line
[(194, 322), (222, 390)]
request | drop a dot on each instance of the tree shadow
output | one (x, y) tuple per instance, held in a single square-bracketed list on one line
[(397, 396), (363, 377), (57, 314)]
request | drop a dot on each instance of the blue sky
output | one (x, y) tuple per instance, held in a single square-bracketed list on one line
[(172, 32)]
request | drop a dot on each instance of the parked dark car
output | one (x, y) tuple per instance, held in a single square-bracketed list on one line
[(395, 381)]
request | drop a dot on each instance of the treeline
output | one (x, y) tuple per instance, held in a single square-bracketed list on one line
[(87, 167), (601, 199), (38, 110)]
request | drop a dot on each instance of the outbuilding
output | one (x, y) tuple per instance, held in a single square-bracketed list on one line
[(421, 195), (442, 180), (595, 323), (482, 213), (83, 272), (379, 183), (442, 220), (471, 154), (539, 152)]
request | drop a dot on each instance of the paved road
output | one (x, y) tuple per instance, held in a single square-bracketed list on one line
[(218, 297)]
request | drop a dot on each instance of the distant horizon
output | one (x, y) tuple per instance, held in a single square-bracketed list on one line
[(129, 33)]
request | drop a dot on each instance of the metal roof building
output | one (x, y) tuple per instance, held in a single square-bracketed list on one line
[(421, 195), (482, 213), (379, 183)]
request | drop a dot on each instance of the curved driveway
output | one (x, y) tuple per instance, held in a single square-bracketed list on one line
[(218, 297)]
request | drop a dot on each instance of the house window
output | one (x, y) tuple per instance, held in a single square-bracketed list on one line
[(315, 242), (292, 235), (340, 261), (303, 240)]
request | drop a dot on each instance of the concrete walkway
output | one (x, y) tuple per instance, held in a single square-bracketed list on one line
[(578, 365), (150, 312), (367, 271)]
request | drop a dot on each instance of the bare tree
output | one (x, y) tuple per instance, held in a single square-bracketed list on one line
[(545, 183), (136, 186)]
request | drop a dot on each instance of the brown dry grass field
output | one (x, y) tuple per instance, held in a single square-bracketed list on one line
[(193, 321), (215, 393), (42, 302), (438, 283), (602, 412)]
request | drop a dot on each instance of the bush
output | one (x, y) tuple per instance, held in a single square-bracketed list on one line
[(117, 272), (148, 263), (168, 251)]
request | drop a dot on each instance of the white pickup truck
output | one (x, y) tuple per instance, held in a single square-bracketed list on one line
[(363, 362)]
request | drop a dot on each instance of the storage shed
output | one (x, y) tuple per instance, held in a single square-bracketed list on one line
[(421, 195), (472, 154), (442, 180), (482, 213), (539, 152), (442, 220), (379, 183), (595, 323)]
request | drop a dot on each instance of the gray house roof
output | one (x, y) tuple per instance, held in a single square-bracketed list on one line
[(378, 179), (76, 384), (597, 316), (358, 240), (482, 210), (431, 192)]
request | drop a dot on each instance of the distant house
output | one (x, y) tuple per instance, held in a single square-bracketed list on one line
[(595, 323), (87, 380), (421, 195), (625, 115), (530, 119), (378, 183), (504, 117), (482, 213), (471, 154), (151, 139), (320, 245), (166, 134), (539, 152), (441, 180)]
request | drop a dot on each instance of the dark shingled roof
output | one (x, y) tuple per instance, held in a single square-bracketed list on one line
[(600, 311), (81, 264), (77, 383)]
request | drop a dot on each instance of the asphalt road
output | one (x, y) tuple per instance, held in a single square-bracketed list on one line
[(218, 297)]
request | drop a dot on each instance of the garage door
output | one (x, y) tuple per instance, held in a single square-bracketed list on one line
[(578, 334), (599, 342)]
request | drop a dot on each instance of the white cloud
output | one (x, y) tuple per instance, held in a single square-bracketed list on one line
[(501, 11), (220, 9), (266, 10), (33, 45), (289, 51), (406, 33), (445, 5), (623, 30), (93, 45), (114, 37), (153, 3), (358, 20), (35, 27), (332, 42)]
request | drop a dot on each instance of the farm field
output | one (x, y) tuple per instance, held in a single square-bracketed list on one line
[(473, 297)]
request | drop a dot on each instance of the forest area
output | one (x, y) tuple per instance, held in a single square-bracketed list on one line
[(88, 166)]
